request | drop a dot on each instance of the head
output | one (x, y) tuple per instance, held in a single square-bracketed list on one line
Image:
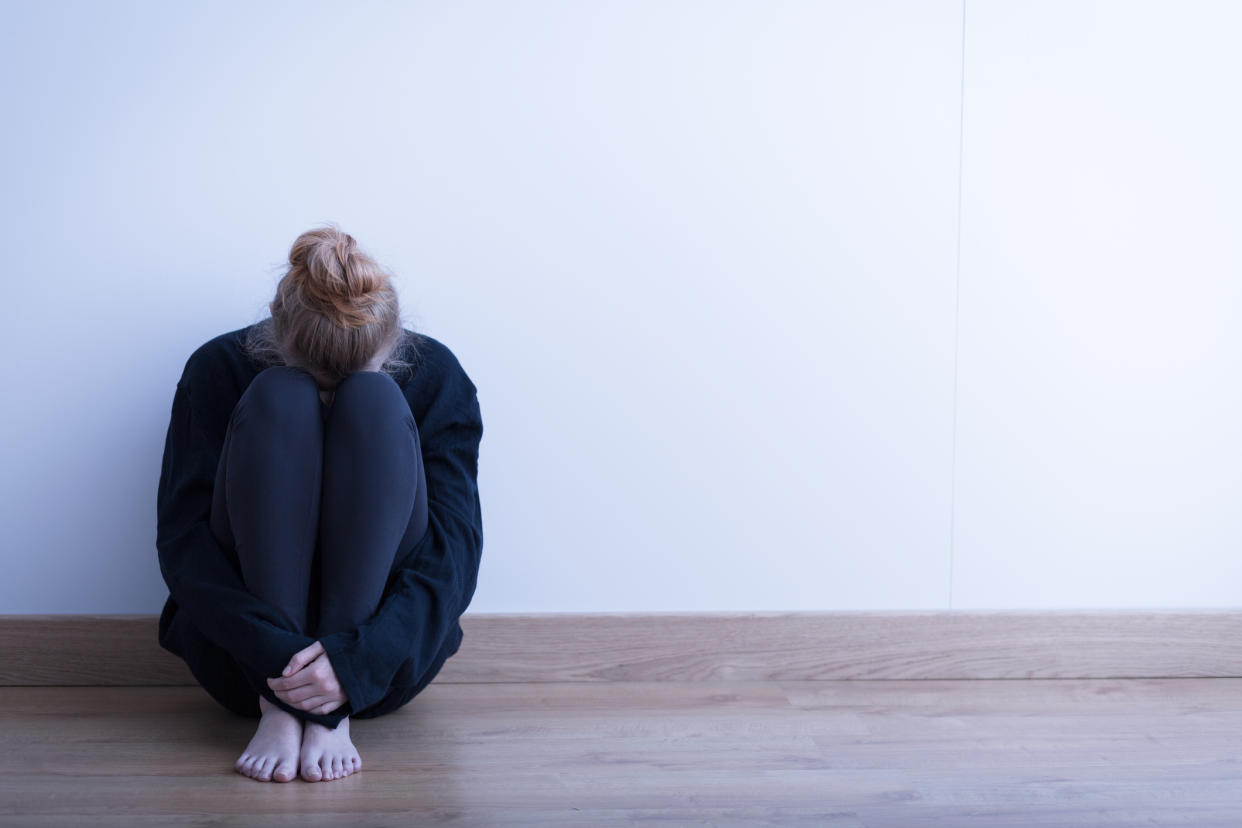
[(335, 311)]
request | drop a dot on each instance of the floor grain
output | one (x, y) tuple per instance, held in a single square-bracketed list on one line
[(1101, 752)]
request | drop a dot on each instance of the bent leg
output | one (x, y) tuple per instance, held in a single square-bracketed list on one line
[(374, 496), (265, 506)]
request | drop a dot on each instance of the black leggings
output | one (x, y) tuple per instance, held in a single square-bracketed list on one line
[(315, 500)]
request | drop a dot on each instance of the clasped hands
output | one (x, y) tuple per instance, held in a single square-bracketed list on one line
[(309, 683)]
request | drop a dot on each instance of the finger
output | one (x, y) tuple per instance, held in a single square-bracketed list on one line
[(295, 663), (327, 708), (307, 669), (310, 691), (302, 657), (312, 703), (303, 699), (299, 679)]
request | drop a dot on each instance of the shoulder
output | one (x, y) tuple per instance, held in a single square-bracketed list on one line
[(221, 346), (218, 363), (435, 363)]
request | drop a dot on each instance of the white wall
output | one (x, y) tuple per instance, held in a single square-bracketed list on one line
[(1099, 432), (702, 261)]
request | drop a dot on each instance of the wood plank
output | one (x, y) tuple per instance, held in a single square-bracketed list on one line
[(796, 646), (869, 753)]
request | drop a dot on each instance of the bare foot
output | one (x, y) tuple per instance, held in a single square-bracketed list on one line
[(328, 754), (273, 752)]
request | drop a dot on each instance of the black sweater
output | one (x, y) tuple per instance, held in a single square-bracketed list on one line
[(417, 620)]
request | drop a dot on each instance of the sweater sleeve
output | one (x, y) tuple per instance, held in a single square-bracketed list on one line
[(436, 581), (203, 581)]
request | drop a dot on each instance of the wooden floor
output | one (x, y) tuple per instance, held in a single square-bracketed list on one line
[(1095, 752)]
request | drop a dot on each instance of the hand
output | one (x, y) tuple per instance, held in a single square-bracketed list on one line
[(309, 683)]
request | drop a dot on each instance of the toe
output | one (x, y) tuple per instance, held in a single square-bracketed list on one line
[(325, 767), (285, 771), (263, 770), (337, 770), (310, 771)]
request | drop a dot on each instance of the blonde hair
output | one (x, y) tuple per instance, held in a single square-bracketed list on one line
[(334, 309)]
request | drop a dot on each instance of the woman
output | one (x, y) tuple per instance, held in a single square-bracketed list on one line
[(319, 525)]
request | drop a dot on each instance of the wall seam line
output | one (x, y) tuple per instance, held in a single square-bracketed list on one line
[(957, 293)]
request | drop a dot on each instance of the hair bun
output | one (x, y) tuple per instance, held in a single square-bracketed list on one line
[(334, 310), (335, 278)]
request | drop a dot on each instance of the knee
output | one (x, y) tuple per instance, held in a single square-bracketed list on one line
[(282, 393), (366, 397)]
